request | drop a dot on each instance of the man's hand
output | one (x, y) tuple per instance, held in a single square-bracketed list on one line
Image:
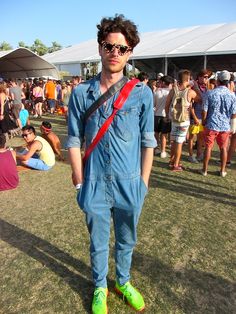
[(233, 125)]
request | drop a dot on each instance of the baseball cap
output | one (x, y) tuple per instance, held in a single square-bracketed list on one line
[(223, 76), (159, 75)]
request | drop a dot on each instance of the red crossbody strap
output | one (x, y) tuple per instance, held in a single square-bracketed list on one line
[(124, 93)]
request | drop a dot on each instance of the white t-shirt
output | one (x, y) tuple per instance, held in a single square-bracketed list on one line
[(160, 101)]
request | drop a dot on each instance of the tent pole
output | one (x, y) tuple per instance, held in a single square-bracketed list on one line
[(165, 66), (205, 62)]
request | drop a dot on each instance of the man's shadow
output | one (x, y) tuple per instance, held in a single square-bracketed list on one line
[(202, 292), (53, 258)]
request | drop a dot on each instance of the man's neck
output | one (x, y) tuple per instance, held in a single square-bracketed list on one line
[(183, 85), (107, 80)]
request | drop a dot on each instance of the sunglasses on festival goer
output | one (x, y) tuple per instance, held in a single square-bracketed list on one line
[(111, 47), (25, 135)]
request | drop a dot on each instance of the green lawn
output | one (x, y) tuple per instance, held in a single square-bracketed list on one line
[(184, 261)]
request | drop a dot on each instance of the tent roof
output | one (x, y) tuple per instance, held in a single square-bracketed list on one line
[(214, 39), (22, 63)]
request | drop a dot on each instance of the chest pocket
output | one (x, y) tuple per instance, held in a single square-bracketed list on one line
[(126, 124)]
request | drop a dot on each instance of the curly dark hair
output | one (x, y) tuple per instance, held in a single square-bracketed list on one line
[(118, 24)]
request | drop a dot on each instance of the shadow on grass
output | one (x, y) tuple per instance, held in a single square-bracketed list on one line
[(187, 290), (51, 257), (190, 187)]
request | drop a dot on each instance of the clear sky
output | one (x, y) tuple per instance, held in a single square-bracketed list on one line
[(70, 22)]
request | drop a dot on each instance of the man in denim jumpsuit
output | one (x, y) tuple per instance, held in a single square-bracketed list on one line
[(114, 180)]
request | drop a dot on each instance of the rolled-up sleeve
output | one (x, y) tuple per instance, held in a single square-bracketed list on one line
[(76, 111)]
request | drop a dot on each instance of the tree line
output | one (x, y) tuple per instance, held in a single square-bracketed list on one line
[(38, 47)]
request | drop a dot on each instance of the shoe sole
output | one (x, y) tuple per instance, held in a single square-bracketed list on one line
[(122, 295)]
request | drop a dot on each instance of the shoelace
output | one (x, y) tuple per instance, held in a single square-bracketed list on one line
[(99, 296), (128, 290)]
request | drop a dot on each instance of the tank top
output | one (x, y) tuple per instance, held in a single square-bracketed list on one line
[(46, 154), (66, 98), (184, 93), (8, 172), (38, 92)]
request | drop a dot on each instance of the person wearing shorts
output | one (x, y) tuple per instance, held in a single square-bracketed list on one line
[(161, 126), (38, 153), (196, 128), (179, 129), (219, 107), (16, 94), (50, 94)]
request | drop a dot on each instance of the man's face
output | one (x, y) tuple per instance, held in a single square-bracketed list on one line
[(203, 79), (28, 136), (114, 58)]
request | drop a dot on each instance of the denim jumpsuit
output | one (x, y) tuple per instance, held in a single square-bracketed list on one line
[(112, 187)]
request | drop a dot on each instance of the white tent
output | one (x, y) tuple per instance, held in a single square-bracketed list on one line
[(213, 46), (23, 63)]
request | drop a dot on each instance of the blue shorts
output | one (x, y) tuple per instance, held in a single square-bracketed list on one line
[(178, 133), (35, 163), (51, 103)]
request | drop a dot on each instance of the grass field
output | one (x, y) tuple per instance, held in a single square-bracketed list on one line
[(184, 261)]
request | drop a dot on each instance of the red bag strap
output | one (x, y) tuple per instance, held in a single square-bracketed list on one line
[(124, 93)]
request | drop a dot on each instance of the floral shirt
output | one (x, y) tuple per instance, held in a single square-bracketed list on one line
[(220, 105)]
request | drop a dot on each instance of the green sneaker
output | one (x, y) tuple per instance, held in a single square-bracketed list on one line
[(99, 305), (132, 296)]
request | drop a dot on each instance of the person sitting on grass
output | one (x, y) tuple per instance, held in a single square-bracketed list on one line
[(52, 138), (8, 172), (38, 153)]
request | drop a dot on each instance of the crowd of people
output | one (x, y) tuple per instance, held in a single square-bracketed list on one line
[(20, 99), (36, 97), (207, 112)]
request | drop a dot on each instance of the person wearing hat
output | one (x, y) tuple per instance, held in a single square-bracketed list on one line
[(219, 110)]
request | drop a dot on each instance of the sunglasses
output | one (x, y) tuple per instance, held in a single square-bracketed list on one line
[(111, 47), (25, 135)]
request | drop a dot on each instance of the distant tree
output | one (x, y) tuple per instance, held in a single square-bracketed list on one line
[(5, 46), (23, 45), (55, 47), (39, 48)]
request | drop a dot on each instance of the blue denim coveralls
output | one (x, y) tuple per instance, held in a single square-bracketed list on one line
[(112, 184)]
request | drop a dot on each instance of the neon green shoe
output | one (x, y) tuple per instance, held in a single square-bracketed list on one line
[(132, 296), (99, 305)]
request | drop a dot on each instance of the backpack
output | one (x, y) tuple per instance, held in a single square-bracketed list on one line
[(180, 106)]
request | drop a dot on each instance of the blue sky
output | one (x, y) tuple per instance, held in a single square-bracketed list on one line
[(70, 22)]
